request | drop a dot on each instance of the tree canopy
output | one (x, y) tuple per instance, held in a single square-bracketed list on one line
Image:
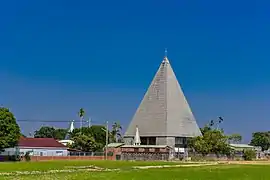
[(89, 138), (212, 141), (235, 138), (94, 138), (116, 134), (50, 132), (84, 142), (9, 129), (261, 139)]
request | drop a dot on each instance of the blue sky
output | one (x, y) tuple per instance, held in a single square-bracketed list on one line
[(58, 56)]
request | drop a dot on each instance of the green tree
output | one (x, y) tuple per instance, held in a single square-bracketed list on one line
[(45, 132), (9, 129), (261, 139), (50, 132), (84, 143), (212, 141), (205, 129), (116, 133), (60, 133), (235, 138), (217, 141), (200, 145), (96, 132), (249, 155)]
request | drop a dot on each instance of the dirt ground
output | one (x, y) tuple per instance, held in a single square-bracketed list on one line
[(247, 162)]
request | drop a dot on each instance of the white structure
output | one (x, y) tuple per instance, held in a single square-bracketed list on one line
[(38, 147), (137, 140), (164, 116), (71, 127), (70, 130), (65, 142)]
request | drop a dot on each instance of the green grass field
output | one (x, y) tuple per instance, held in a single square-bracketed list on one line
[(125, 171)]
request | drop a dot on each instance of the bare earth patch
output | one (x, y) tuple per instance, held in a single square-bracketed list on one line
[(178, 165), (69, 169), (248, 162)]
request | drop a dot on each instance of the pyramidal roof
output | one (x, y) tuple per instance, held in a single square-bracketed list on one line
[(164, 110)]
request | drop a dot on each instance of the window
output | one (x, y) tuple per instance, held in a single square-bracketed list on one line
[(59, 153), (152, 141), (148, 140), (180, 141), (143, 141)]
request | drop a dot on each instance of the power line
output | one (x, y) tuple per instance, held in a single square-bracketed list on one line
[(89, 122), (25, 120)]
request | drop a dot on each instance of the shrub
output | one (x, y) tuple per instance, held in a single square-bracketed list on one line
[(14, 158), (110, 153), (249, 155), (197, 158), (27, 156)]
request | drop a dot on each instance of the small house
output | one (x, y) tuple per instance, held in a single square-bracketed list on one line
[(42, 147), (38, 147)]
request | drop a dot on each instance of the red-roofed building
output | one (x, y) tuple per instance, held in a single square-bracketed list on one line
[(39, 147)]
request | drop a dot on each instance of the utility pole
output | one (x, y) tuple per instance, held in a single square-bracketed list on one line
[(81, 121), (107, 139)]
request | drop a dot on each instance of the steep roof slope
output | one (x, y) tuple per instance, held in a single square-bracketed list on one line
[(40, 142), (164, 110)]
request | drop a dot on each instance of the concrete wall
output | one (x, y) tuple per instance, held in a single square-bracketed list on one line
[(44, 152), (62, 158), (36, 151), (9, 152)]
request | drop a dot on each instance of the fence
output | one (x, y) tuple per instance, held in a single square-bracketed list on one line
[(59, 158)]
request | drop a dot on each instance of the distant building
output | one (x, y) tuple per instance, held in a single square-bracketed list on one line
[(242, 147), (37, 147), (164, 116)]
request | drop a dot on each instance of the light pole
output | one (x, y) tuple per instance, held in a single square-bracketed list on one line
[(107, 139)]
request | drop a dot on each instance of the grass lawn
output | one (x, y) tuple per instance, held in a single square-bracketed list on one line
[(213, 172), (51, 165)]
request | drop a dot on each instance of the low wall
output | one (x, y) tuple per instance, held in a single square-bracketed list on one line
[(48, 158), (141, 156)]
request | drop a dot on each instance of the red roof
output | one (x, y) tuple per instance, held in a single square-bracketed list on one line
[(39, 142)]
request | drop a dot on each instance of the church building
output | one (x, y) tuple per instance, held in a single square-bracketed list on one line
[(164, 116)]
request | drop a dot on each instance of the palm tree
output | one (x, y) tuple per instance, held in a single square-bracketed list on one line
[(116, 132), (81, 115)]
